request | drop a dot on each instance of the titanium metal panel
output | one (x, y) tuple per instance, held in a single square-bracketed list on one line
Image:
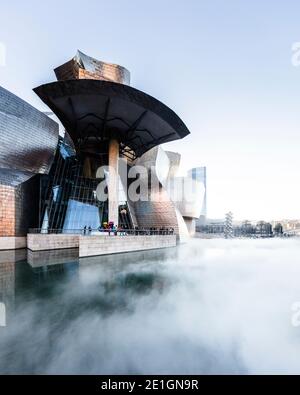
[(164, 207), (28, 138), (159, 210), (13, 177), (85, 67)]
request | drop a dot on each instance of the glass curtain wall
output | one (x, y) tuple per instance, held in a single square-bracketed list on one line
[(68, 194)]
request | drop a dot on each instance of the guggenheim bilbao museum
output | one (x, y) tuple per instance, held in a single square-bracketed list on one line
[(49, 182)]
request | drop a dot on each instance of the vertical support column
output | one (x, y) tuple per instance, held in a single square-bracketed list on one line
[(113, 182)]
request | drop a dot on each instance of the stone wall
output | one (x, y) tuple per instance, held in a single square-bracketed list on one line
[(43, 242), (19, 207), (12, 243), (102, 245), (7, 210)]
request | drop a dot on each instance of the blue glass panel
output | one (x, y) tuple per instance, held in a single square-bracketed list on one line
[(80, 215)]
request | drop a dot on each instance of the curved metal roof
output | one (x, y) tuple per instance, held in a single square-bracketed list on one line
[(93, 110)]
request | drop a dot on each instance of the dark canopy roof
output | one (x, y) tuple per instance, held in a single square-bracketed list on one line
[(99, 110)]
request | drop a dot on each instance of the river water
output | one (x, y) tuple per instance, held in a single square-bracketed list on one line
[(209, 306)]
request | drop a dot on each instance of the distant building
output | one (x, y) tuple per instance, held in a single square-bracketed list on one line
[(199, 174), (288, 224)]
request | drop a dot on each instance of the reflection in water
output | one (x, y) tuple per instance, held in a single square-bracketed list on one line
[(8, 261), (50, 258), (211, 306), (2, 314)]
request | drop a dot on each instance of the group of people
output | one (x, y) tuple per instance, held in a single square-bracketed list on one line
[(109, 227), (87, 230)]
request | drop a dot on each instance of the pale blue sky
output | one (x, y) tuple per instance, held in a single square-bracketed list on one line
[(223, 66)]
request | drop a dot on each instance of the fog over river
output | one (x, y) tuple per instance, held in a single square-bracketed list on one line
[(209, 306)]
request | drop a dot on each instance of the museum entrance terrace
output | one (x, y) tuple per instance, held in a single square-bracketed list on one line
[(101, 241), (104, 232)]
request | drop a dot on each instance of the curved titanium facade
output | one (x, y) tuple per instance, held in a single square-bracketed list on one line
[(86, 67), (164, 207), (28, 138), (95, 111)]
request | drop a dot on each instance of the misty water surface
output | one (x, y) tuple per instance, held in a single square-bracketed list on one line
[(210, 306)]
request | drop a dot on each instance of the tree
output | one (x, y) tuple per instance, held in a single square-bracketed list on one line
[(278, 229)]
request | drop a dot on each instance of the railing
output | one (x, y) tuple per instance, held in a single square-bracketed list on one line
[(102, 231)]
